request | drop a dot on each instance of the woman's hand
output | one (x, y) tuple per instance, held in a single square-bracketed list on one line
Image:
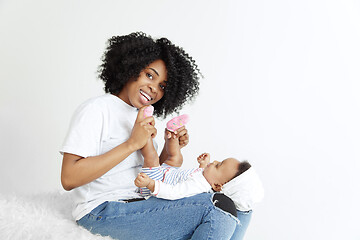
[(183, 137), (181, 134), (144, 128)]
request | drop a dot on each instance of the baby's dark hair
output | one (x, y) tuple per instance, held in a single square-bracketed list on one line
[(243, 166), (126, 56)]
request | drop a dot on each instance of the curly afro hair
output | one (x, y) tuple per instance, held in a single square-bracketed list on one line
[(126, 56)]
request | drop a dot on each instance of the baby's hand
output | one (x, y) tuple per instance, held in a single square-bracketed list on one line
[(183, 135), (203, 160), (142, 180)]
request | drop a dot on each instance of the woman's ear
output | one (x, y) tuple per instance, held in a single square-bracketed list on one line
[(217, 187)]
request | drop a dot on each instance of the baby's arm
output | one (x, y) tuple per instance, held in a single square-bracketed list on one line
[(191, 186), (203, 160)]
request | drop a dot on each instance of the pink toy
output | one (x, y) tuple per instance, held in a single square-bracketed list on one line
[(177, 122), (148, 111)]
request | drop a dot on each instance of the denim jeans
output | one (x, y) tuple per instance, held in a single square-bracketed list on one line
[(189, 218), (240, 230)]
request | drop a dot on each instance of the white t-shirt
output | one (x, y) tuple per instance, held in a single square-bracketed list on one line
[(97, 126)]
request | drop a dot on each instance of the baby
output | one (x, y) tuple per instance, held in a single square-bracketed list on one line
[(235, 179)]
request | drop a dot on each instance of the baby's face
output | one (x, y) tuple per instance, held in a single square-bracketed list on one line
[(221, 172)]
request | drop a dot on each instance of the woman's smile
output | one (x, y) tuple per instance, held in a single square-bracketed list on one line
[(145, 98)]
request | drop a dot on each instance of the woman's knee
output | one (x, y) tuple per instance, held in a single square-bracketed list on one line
[(224, 203)]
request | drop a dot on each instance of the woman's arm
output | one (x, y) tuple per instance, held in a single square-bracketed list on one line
[(77, 171)]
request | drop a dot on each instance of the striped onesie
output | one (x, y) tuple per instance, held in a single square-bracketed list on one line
[(167, 174)]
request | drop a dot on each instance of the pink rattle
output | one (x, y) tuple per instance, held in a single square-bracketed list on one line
[(177, 122), (148, 111)]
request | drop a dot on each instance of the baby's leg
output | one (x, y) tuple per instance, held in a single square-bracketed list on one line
[(151, 158), (175, 158)]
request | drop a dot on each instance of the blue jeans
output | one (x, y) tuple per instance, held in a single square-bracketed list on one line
[(240, 230), (195, 217)]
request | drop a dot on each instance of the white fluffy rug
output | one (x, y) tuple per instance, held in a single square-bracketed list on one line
[(40, 216)]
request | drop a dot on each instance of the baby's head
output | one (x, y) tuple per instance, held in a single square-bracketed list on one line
[(219, 173)]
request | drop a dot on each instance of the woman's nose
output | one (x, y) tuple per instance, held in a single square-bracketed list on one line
[(153, 88)]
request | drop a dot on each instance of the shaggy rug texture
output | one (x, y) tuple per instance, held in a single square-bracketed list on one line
[(40, 216)]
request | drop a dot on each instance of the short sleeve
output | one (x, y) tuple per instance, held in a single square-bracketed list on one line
[(85, 131)]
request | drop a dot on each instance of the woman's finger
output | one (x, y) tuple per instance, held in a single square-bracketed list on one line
[(154, 133), (148, 120), (184, 143), (181, 131), (140, 115), (184, 139)]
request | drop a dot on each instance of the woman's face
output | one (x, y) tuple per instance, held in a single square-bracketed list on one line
[(148, 88)]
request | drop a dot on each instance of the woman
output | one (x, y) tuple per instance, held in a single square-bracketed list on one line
[(102, 151)]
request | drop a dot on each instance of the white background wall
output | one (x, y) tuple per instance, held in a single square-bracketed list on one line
[(281, 89)]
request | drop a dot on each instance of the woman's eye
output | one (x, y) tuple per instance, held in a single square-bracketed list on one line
[(149, 76), (162, 86)]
